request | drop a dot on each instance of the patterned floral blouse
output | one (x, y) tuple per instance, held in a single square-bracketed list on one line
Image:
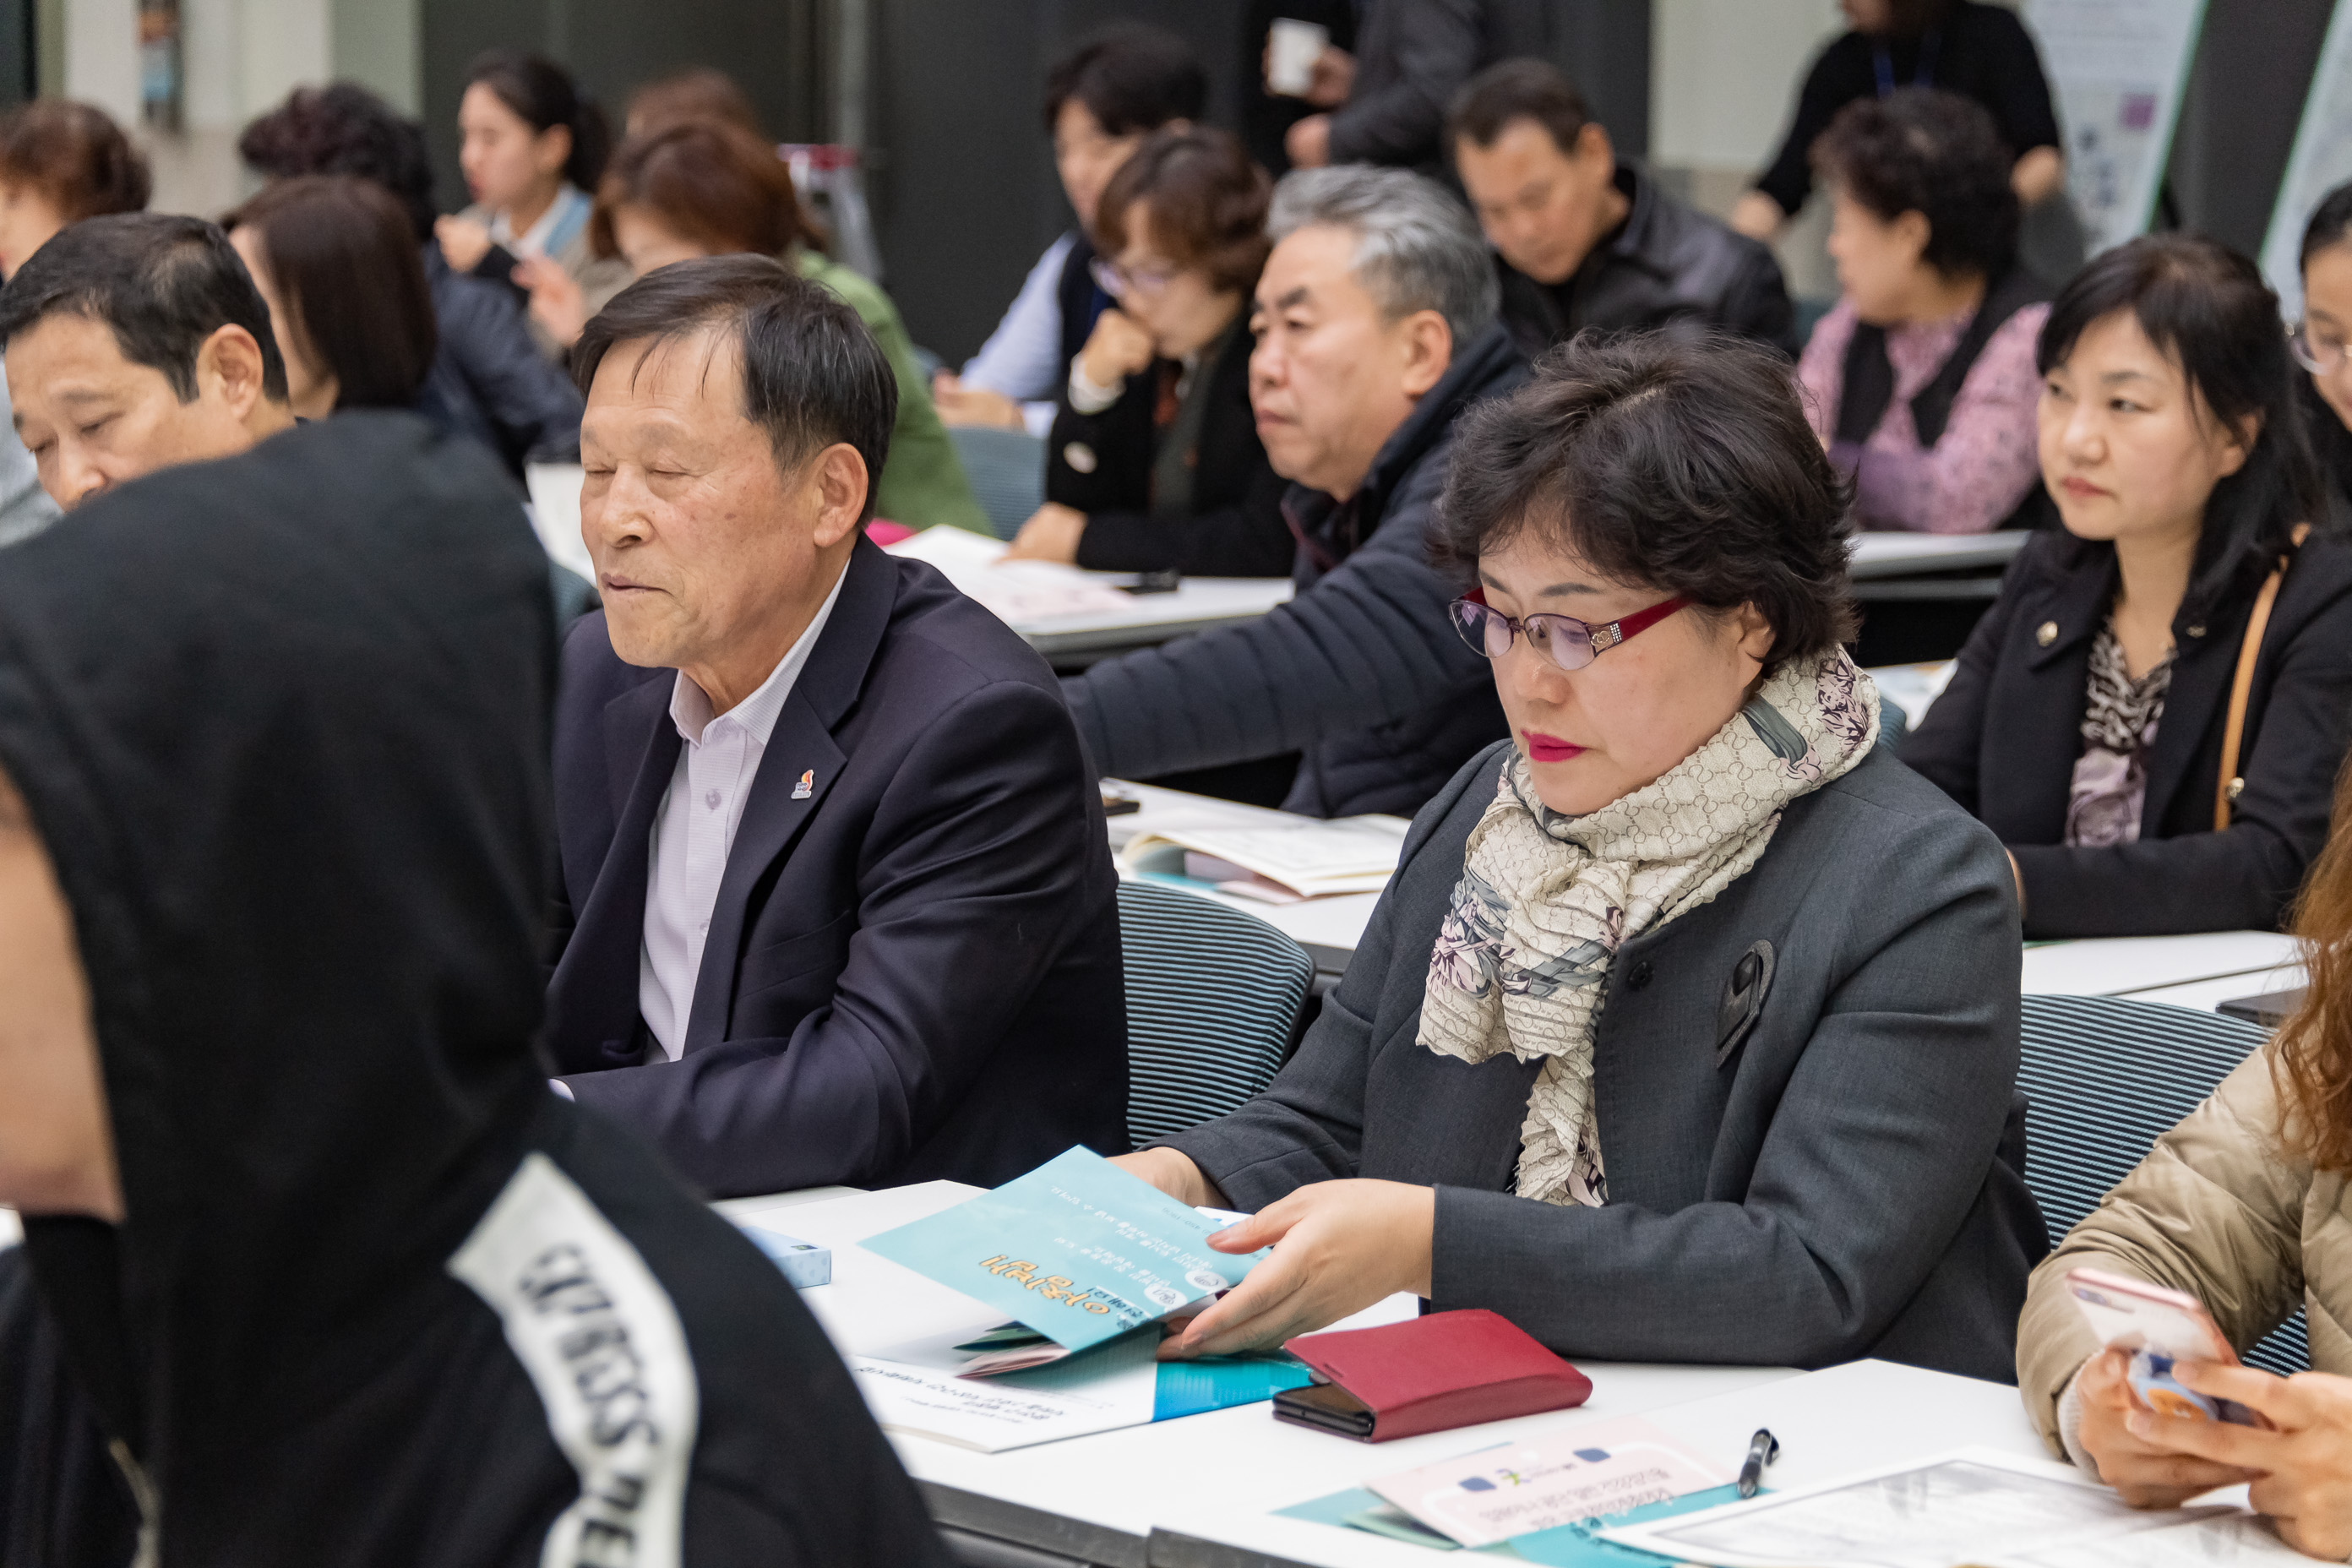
[(2119, 723)]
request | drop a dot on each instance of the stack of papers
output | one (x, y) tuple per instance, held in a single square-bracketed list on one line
[(1089, 1262), (1018, 593), (1518, 1488), (1281, 863)]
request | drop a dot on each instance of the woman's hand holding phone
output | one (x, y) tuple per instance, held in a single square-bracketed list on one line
[(2145, 1472), (2301, 1471)]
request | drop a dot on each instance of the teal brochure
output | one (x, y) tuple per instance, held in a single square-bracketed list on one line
[(1077, 1251), (1575, 1545)]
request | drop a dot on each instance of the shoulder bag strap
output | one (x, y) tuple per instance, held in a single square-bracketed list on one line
[(2231, 784)]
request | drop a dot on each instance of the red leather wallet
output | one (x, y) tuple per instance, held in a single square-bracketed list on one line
[(1445, 1370)]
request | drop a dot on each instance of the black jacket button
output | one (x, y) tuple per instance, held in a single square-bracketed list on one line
[(1640, 976)]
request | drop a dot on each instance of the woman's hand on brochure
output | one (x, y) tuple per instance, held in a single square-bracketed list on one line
[(2302, 1473), (2144, 1474), (1338, 1247)]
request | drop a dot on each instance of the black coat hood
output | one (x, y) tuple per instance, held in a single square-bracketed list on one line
[(380, 1298)]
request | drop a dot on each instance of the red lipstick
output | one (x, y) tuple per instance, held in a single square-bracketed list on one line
[(1543, 748)]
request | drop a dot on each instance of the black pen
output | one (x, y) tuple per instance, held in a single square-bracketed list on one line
[(1763, 1449)]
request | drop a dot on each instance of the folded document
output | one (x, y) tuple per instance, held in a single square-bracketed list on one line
[(1281, 862)]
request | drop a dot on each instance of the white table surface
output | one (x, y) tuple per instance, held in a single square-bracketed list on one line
[(2134, 965), (1905, 554), (1102, 1498)]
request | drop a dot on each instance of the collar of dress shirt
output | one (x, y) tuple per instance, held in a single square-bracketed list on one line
[(689, 705)]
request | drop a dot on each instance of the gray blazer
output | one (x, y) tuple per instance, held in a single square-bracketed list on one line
[(1831, 1170)]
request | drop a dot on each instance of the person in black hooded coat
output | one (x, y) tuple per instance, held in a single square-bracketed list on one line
[(375, 1295)]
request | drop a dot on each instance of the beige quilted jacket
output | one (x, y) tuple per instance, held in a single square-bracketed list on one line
[(2218, 1210)]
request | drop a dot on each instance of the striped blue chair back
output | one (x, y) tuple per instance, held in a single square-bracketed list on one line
[(1007, 470), (2104, 1079), (1211, 996)]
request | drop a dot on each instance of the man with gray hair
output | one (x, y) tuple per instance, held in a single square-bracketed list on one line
[(1375, 320)]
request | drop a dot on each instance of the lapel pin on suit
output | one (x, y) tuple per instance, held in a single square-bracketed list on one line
[(1743, 999), (807, 784)]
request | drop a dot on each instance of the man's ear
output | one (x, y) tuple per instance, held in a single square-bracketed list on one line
[(838, 477), (1593, 142), (1426, 344), (230, 362)]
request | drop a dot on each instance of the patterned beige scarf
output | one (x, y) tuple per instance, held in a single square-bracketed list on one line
[(1545, 900)]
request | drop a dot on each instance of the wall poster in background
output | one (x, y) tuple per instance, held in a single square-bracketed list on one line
[(2116, 68), (2322, 160)]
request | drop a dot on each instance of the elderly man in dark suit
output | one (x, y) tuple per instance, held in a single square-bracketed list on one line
[(835, 897)]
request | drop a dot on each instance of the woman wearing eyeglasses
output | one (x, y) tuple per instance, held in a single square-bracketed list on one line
[(1154, 460), (2152, 713), (2319, 340), (1686, 1030)]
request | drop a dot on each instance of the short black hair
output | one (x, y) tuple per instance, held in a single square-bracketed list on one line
[(2206, 308), (1517, 90), (164, 284), (1681, 460), (1131, 79), (1923, 150), (812, 374), (344, 129)]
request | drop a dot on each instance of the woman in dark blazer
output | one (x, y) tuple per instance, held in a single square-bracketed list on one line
[(1644, 1048), (2090, 721), (1154, 460)]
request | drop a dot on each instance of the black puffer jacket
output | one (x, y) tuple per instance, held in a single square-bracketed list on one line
[(1667, 263), (1362, 672)]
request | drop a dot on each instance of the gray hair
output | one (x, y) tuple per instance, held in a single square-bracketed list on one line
[(1416, 247)]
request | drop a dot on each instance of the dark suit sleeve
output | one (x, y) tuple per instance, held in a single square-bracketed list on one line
[(1943, 746), (1789, 180), (1436, 44), (1369, 644), (1872, 1159), (2242, 879), (1757, 304), (1248, 538), (976, 867), (2020, 91), (532, 402)]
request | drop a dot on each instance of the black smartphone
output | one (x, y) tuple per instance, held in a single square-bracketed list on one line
[(2269, 1010), (1162, 582), (1327, 1407)]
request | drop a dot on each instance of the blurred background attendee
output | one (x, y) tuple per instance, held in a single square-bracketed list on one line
[(488, 379), (699, 92), (334, 259), (1584, 239), (59, 163), (1387, 101), (1963, 45), (2320, 337), (1267, 111), (1102, 99), (706, 188), (1921, 380), (1154, 461), (2157, 757), (531, 149)]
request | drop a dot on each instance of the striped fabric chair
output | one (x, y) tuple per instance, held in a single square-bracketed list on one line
[(1211, 996), (2105, 1077)]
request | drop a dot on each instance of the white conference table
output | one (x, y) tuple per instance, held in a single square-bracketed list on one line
[(1199, 1492)]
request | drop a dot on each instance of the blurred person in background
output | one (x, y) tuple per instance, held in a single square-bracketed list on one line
[(531, 149), (2320, 337), (706, 188), (332, 258), (1154, 462), (59, 163), (699, 92), (1102, 99), (1386, 102), (488, 378), (1965, 47), (1585, 239), (1921, 380)]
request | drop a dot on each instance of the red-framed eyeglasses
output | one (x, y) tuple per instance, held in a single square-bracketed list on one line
[(1566, 641)]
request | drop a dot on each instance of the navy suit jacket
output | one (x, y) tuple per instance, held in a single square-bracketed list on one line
[(913, 973)]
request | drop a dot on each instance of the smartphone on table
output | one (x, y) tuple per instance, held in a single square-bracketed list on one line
[(2160, 1327)]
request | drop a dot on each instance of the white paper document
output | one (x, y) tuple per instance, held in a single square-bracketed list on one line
[(1306, 859), (915, 1388), (1971, 1506), (1018, 593)]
